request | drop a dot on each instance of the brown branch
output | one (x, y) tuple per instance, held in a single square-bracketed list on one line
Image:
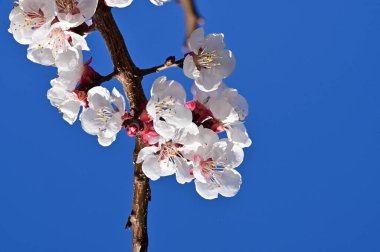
[(192, 17), (106, 78), (129, 76), (169, 63)]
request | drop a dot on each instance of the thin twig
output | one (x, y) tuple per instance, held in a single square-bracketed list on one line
[(168, 64), (106, 78)]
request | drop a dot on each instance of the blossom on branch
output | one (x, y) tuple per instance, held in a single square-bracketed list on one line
[(104, 115), (69, 90), (29, 16), (73, 13), (223, 110), (213, 166), (168, 157), (208, 62), (57, 46), (167, 107)]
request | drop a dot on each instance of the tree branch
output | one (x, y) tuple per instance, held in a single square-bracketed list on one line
[(129, 76), (169, 63), (106, 78), (192, 17)]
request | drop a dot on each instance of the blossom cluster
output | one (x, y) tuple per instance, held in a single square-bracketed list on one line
[(181, 137)]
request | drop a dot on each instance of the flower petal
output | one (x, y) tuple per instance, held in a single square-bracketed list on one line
[(196, 40), (206, 190), (230, 181)]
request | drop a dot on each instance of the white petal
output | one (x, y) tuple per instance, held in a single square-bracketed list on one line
[(214, 42), (182, 117), (78, 41), (118, 100), (168, 166), (112, 126), (69, 60), (187, 135), (238, 102), (159, 2), (227, 63), (163, 88), (237, 134), (70, 109), (68, 79), (164, 129), (230, 181), (151, 167), (183, 171), (40, 55), (105, 142), (118, 3), (90, 122), (206, 190), (84, 10), (98, 98), (227, 153), (198, 174), (196, 40), (189, 68), (223, 111), (209, 79), (145, 152), (207, 137)]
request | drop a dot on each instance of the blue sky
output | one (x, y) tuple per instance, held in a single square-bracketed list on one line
[(310, 71)]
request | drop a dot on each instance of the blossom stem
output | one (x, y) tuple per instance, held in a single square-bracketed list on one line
[(170, 62), (107, 77)]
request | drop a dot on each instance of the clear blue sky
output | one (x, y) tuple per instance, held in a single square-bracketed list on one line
[(311, 73)]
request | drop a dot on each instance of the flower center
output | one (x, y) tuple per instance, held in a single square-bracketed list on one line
[(165, 105), (57, 40), (35, 19), (206, 60), (210, 170), (169, 150), (67, 6), (104, 114)]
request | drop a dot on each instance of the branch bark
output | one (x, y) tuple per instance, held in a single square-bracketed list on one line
[(170, 62), (129, 76), (192, 17)]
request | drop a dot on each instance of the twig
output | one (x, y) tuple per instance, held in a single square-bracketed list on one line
[(169, 63), (192, 17)]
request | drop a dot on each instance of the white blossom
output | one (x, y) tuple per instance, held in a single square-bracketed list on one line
[(166, 107), (29, 16), (213, 166), (101, 118), (208, 62), (73, 13), (168, 157), (62, 94), (229, 108), (58, 47)]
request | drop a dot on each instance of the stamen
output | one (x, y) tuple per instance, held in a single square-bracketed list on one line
[(34, 19), (67, 6), (207, 60)]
